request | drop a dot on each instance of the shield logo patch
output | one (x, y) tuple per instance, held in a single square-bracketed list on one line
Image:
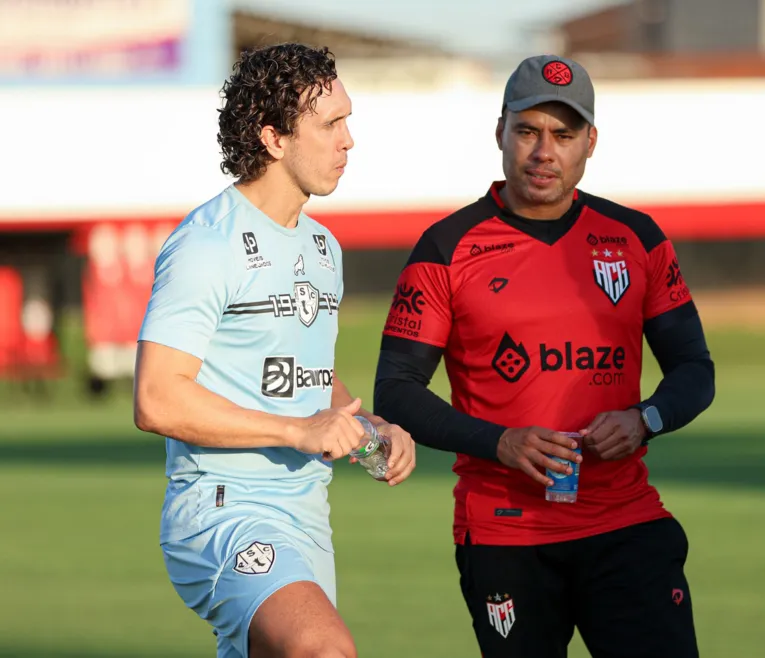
[(501, 613), (255, 560), (307, 301), (612, 278)]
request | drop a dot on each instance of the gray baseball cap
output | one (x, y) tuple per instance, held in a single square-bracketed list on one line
[(547, 78)]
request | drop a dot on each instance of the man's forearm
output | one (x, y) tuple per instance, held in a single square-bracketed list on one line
[(403, 396), (182, 409), (683, 394)]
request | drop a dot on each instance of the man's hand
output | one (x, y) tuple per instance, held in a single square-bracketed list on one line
[(401, 460), (614, 434), (332, 433), (527, 449)]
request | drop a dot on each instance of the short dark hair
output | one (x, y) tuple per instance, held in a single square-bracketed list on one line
[(265, 89), (580, 123)]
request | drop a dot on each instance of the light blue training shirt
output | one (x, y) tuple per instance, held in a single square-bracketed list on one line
[(257, 303)]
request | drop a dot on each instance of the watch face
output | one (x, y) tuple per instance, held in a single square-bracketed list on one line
[(653, 419)]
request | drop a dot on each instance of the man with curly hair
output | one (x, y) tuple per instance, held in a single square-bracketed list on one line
[(236, 367)]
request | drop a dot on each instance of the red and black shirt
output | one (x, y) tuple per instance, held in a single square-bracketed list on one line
[(540, 323)]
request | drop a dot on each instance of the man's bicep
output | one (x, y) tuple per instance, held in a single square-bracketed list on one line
[(666, 286), (159, 371), (676, 337), (407, 360), (421, 310), (194, 282), (155, 361)]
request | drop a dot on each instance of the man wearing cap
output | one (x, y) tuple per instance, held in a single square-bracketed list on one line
[(538, 296)]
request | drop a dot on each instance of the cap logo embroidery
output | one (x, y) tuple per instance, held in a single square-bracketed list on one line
[(557, 73)]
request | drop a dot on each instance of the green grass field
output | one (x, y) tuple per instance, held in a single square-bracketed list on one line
[(81, 574)]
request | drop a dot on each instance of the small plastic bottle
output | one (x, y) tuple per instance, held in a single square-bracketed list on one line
[(565, 487), (372, 451)]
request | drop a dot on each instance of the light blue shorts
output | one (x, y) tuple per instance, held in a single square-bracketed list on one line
[(226, 572)]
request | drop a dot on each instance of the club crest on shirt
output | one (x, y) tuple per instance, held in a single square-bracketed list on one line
[(307, 301), (501, 613), (255, 560), (612, 277)]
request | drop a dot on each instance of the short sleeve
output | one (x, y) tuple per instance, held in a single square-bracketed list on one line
[(666, 289), (421, 306), (194, 281)]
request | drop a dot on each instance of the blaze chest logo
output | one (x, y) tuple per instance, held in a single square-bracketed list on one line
[(254, 560), (511, 359), (501, 613), (603, 364), (307, 301), (612, 277), (502, 247)]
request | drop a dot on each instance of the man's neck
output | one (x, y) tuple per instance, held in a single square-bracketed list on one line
[(541, 212), (280, 200)]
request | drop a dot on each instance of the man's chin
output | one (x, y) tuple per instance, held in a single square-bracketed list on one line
[(544, 197), (324, 190)]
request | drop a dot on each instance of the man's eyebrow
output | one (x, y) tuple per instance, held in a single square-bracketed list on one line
[(338, 118)]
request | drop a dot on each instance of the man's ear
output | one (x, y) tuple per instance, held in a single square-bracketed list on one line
[(500, 130), (274, 141)]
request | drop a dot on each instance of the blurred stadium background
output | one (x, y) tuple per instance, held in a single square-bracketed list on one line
[(107, 139)]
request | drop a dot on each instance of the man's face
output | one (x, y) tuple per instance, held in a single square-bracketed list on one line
[(318, 151), (544, 152)]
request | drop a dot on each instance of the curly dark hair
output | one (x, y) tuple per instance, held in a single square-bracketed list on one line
[(265, 89)]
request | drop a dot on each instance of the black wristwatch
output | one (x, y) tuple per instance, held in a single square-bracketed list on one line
[(651, 420)]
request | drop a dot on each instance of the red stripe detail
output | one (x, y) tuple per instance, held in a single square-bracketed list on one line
[(386, 229), (495, 189)]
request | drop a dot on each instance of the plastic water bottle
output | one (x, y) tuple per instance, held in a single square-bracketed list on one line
[(372, 451), (565, 487)]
